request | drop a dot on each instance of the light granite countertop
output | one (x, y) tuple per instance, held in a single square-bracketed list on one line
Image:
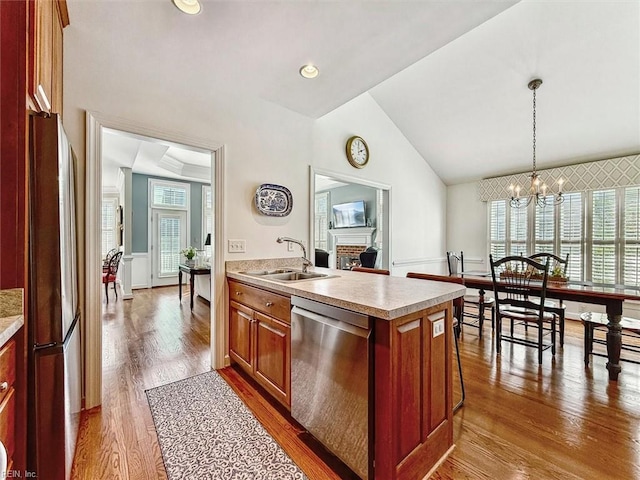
[(381, 296), (11, 313)]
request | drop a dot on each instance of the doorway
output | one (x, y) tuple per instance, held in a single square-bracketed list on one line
[(328, 188), (97, 125)]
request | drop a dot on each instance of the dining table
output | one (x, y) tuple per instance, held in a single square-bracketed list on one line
[(612, 298)]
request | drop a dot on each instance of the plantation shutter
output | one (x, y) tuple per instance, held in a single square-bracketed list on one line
[(498, 228), (208, 219), (603, 256), (322, 220), (169, 196), (631, 259), (571, 234), (544, 228), (518, 231), (108, 225), (170, 234)]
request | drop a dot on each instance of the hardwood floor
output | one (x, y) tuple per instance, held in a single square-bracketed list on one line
[(556, 421), (148, 341)]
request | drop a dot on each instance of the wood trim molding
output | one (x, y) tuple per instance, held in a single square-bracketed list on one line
[(95, 121)]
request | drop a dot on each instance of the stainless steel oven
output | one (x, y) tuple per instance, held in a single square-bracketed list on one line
[(330, 378)]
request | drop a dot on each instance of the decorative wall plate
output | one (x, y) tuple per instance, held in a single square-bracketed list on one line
[(274, 200)]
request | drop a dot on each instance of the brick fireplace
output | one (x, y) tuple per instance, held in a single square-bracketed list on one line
[(348, 243), (348, 256)]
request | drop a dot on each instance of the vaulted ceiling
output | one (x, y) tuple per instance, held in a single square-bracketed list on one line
[(452, 75)]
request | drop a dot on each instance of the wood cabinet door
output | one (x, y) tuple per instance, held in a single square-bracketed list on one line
[(47, 19), (272, 365), (240, 335)]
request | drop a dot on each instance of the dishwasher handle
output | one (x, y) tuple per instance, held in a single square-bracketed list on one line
[(331, 322)]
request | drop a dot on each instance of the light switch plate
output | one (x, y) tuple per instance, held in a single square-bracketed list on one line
[(438, 328), (289, 246), (237, 246)]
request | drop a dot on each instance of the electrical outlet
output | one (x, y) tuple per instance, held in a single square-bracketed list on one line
[(237, 246), (438, 328), (289, 246)]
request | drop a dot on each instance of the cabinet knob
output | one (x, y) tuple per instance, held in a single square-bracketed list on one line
[(238, 293), (4, 386), (269, 304)]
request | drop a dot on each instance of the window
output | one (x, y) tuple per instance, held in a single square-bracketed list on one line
[(518, 231), (207, 218), (109, 224), (498, 228), (322, 220), (600, 230), (603, 256), (571, 236), (631, 255), (169, 195), (170, 244)]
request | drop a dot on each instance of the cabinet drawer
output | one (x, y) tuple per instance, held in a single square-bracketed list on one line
[(7, 367), (270, 303), (7, 421)]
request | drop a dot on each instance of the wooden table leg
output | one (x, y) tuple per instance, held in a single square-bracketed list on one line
[(193, 287), (481, 293), (614, 340), (180, 285)]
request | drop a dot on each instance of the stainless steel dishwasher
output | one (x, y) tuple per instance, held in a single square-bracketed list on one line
[(330, 377)]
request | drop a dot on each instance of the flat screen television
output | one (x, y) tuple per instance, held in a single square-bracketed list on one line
[(350, 214)]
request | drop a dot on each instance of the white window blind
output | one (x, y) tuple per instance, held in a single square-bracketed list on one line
[(109, 240), (600, 230), (498, 228), (544, 228), (170, 235), (603, 257), (207, 218), (631, 256), (518, 231), (168, 195), (572, 234), (321, 220)]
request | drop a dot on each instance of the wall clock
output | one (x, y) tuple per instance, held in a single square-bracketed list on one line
[(357, 152)]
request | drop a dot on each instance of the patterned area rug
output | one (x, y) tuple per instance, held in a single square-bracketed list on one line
[(206, 432)]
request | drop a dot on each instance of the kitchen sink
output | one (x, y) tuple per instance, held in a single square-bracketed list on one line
[(295, 276), (262, 273)]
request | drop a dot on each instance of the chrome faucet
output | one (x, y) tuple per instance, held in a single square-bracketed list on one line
[(306, 263)]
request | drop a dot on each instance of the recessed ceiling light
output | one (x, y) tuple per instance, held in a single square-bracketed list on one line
[(309, 71), (192, 7)]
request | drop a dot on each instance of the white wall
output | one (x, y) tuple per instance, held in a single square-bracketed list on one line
[(467, 225), (418, 196), (264, 142)]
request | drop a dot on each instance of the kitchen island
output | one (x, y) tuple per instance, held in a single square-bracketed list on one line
[(409, 402)]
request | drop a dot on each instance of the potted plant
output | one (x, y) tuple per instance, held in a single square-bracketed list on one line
[(557, 275), (189, 253)]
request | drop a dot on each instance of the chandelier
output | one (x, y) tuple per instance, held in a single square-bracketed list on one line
[(537, 188)]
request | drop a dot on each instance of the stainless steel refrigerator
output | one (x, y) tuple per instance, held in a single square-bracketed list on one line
[(54, 372)]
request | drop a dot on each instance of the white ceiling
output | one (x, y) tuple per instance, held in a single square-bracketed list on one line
[(451, 75), (151, 156)]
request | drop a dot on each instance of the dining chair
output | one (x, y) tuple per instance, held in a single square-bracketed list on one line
[(110, 275), (370, 270), (458, 305), (518, 300), (455, 263), (557, 308), (107, 258), (594, 322)]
